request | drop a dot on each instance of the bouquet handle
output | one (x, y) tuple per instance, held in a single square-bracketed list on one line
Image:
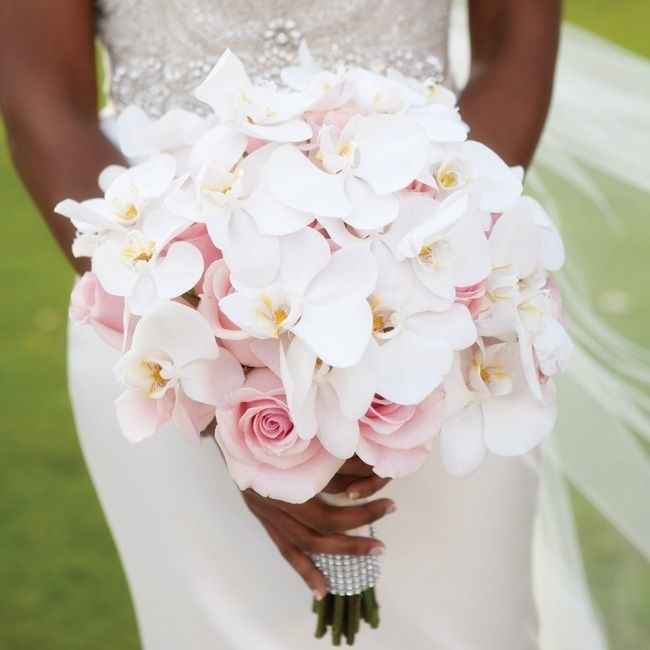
[(351, 582)]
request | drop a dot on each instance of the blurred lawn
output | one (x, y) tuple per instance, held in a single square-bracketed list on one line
[(62, 585)]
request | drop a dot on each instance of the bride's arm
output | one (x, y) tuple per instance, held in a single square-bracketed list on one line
[(48, 99), (514, 48)]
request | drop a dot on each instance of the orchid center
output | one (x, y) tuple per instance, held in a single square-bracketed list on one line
[(449, 176), (156, 379), (436, 255), (273, 314), (384, 319), (493, 375), (130, 214), (138, 250)]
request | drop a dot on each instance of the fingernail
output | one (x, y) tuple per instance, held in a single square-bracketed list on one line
[(392, 507), (353, 495), (377, 550), (318, 595)]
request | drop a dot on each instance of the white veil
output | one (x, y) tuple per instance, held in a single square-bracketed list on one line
[(596, 149)]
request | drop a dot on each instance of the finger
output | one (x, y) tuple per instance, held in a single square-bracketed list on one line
[(324, 518), (310, 541), (365, 487), (301, 564), (342, 519), (345, 545)]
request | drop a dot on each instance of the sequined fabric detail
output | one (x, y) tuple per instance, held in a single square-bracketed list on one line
[(160, 50)]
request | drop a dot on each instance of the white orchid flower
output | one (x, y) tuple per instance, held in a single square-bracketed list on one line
[(175, 371), (361, 169), (132, 196), (146, 271), (444, 242), (327, 401), (524, 246), (425, 93), (323, 90), (413, 340), (228, 193), (428, 104), (262, 112), (319, 297), (473, 168), (489, 407), (141, 137)]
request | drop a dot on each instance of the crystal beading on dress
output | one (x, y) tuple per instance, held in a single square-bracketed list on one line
[(157, 66)]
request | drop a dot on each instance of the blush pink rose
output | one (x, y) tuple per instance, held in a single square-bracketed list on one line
[(216, 285), (91, 305), (396, 440), (264, 450)]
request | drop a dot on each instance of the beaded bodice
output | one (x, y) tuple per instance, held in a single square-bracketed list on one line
[(159, 50)]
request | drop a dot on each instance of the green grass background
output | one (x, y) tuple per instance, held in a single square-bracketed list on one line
[(61, 584)]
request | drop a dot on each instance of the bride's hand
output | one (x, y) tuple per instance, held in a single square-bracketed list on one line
[(316, 527)]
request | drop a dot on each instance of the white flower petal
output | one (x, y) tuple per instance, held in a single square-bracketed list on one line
[(338, 332), (114, 275), (516, 423), (137, 415), (179, 270), (462, 448), (297, 182), (355, 386), (411, 367), (350, 274), (338, 434), (178, 331), (369, 210), (212, 380), (455, 326), (289, 131), (392, 151), (304, 255), (253, 258), (151, 178)]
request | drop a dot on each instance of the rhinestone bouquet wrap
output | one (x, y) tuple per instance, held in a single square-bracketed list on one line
[(351, 582)]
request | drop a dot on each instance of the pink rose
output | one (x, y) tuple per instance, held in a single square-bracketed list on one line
[(216, 285), (396, 440), (90, 304), (263, 449)]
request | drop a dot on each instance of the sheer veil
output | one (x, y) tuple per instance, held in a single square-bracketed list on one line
[(593, 159)]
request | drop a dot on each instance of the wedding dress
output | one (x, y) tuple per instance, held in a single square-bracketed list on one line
[(472, 564)]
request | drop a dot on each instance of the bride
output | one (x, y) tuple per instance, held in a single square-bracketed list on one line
[(470, 564)]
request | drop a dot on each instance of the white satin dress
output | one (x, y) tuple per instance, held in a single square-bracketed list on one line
[(203, 574)]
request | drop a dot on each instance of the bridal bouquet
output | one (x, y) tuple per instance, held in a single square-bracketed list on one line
[(330, 268)]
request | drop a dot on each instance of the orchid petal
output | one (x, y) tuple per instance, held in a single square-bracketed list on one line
[(461, 441), (424, 362), (179, 270), (392, 152), (178, 331), (338, 434), (297, 182), (369, 210), (338, 332), (137, 415)]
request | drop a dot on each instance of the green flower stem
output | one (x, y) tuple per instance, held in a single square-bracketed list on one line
[(343, 614), (337, 623)]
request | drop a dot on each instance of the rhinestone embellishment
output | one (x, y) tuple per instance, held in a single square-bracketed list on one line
[(186, 37)]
